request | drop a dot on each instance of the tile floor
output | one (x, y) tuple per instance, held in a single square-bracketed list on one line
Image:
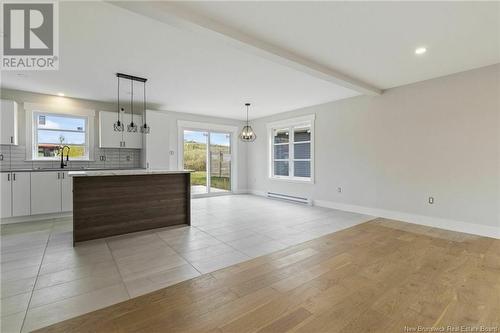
[(45, 280)]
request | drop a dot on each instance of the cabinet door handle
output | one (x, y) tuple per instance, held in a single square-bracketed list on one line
[(58, 175), (11, 139), (63, 175), (8, 177), (14, 177)]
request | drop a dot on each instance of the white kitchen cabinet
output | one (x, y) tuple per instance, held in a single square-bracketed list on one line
[(66, 192), (45, 192), (132, 139), (157, 141), (21, 199), (8, 123), (6, 194), (109, 138)]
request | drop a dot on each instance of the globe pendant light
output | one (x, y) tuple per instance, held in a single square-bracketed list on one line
[(247, 134)]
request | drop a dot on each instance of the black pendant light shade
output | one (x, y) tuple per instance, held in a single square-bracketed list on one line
[(247, 134)]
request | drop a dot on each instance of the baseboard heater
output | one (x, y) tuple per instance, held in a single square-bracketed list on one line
[(287, 197)]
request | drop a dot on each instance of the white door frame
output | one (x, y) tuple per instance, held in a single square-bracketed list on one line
[(198, 126)]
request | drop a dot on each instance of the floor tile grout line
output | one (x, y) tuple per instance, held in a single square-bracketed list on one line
[(235, 249), (179, 254), (37, 276), (117, 268)]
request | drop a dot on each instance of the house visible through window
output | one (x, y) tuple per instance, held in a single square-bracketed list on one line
[(52, 131), (291, 150)]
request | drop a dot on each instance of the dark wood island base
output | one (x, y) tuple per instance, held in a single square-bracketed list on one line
[(109, 203)]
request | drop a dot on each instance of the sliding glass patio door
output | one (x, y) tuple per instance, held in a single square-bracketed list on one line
[(209, 155)]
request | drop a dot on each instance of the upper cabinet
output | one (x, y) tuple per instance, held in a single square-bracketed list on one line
[(132, 139), (8, 123), (109, 138)]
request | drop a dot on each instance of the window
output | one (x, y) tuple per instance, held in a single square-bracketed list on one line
[(291, 149), (53, 130)]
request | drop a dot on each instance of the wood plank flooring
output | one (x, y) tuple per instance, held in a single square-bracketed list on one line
[(379, 276)]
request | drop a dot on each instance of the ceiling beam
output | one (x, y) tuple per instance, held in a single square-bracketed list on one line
[(172, 14)]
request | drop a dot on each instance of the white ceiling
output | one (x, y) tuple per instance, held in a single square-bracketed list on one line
[(188, 72), (373, 41)]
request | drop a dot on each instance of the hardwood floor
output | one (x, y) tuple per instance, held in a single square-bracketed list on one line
[(380, 276)]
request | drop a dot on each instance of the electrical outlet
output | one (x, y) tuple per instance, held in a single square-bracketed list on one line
[(172, 152), (339, 189), (431, 200)]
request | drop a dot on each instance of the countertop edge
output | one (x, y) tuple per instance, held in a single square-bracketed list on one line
[(124, 173)]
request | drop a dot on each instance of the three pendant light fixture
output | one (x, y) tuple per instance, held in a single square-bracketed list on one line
[(119, 126), (247, 134)]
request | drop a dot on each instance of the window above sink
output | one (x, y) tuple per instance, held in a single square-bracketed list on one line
[(51, 131), (49, 128)]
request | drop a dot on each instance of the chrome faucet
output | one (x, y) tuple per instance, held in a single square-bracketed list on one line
[(63, 164)]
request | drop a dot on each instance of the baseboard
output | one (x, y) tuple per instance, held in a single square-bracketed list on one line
[(259, 193), (429, 221), (38, 217)]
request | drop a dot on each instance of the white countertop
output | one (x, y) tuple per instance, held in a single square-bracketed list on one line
[(124, 172)]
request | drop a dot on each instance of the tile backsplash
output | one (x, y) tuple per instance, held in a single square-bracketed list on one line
[(14, 158)]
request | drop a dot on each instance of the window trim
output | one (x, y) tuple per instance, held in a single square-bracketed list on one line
[(60, 110), (291, 124)]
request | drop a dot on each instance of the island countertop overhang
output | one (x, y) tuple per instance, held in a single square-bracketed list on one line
[(124, 172)]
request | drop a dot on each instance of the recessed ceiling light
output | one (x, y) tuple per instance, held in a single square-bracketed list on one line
[(60, 94), (420, 50)]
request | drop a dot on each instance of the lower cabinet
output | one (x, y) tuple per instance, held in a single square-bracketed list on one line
[(5, 195), (66, 192), (45, 192), (31, 193), (21, 183), (15, 194)]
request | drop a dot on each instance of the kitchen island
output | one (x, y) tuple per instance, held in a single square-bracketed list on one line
[(115, 202)]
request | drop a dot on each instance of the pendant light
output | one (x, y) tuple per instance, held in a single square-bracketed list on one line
[(247, 134), (132, 127), (118, 125), (144, 128)]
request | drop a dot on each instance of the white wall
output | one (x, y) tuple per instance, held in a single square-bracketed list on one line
[(437, 138), (174, 117), (24, 96)]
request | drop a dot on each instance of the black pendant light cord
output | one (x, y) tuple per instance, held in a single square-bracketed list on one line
[(132, 101), (118, 113), (145, 124)]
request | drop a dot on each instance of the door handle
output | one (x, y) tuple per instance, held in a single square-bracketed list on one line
[(11, 139)]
